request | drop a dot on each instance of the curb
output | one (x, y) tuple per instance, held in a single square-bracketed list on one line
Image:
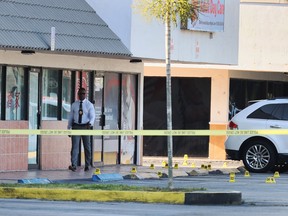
[(213, 198), (193, 198)]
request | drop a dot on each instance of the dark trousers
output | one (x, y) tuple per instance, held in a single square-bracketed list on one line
[(76, 147)]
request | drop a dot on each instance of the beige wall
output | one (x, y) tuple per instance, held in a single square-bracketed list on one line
[(258, 75), (69, 62), (219, 97), (263, 34)]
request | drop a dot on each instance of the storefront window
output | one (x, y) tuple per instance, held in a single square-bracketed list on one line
[(82, 78), (50, 92), (78, 84), (128, 117), (66, 93), (14, 93), (85, 83)]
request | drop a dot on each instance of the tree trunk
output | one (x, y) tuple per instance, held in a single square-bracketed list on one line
[(169, 100)]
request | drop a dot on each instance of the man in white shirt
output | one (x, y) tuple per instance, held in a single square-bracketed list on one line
[(81, 117)]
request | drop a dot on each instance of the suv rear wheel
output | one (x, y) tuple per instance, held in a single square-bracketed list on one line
[(259, 156)]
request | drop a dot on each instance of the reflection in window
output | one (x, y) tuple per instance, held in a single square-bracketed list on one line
[(85, 82), (66, 94), (82, 80), (278, 112), (264, 112), (285, 114), (50, 91), (128, 117), (14, 93)]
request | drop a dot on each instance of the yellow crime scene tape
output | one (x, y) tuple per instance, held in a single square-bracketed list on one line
[(142, 132)]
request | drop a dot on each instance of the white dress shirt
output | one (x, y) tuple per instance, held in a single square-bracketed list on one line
[(88, 113)]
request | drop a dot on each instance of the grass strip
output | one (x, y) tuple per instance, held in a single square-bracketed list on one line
[(107, 187)]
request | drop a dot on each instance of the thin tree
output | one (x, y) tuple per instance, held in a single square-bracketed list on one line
[(169, 11)]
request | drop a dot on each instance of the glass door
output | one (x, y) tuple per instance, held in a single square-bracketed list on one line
[(111, 103), (100, 118), (128, 118), (34, 118), (115, 106)]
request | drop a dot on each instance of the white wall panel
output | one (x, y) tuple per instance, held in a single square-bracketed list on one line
[(145, 37), (148, 40), (117, 14), (263, 41)]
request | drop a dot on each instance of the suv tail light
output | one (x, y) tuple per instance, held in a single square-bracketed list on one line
[(232, 125)]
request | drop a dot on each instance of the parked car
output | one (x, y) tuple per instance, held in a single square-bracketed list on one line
[(260, 152)]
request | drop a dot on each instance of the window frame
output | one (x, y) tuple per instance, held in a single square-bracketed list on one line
[(25, 103)]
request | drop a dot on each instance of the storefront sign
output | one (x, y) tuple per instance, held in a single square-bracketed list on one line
[(210, 16)]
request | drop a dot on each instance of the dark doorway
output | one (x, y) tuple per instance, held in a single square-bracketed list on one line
[(190, 109)]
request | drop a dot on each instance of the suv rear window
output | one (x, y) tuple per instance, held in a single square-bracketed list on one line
[(264, 112), (271, 111)]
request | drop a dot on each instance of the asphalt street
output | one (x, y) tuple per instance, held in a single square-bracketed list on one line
[(52, 208)]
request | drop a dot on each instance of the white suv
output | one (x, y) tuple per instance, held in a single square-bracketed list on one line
[(260, 153)]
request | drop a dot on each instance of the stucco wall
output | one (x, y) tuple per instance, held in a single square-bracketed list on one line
[(263, 43), (70, 62), (120, 11), (148, 40), (146, 37)]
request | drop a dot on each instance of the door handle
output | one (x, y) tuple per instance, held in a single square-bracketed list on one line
[(38, 119), (275, 126), (102, 121)]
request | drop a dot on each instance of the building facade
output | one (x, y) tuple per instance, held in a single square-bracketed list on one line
[(219, 70), (48, 49)]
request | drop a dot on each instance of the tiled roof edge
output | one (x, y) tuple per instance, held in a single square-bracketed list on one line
[(67, 35), (64, 51), (54, 20), (48, 6)]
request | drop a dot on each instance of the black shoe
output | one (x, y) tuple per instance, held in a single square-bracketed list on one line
[(86, 169), (72, 168)]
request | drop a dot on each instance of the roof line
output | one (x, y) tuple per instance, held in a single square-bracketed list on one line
[(48, 6), (69, 35), (54, 20), (65, 51)]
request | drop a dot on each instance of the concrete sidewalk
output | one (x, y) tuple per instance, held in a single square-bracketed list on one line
[(143, 172)]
